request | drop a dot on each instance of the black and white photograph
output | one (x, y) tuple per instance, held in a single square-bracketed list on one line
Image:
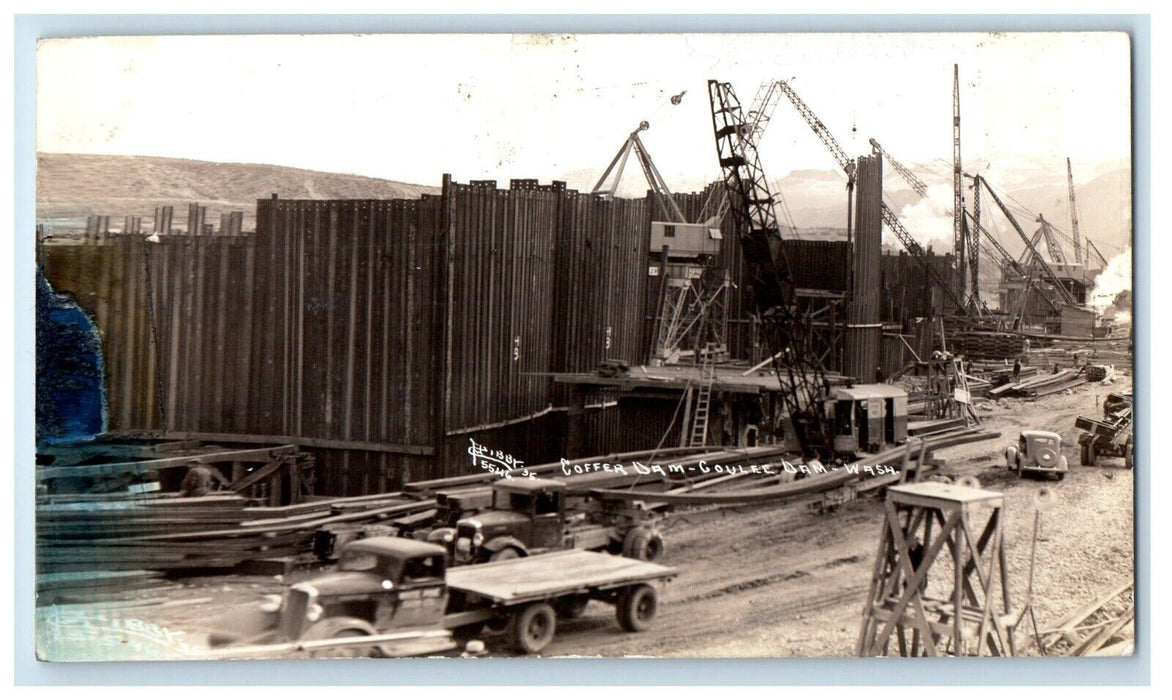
[(691, 345)]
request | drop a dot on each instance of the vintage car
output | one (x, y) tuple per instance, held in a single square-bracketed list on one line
[(1037, 452)]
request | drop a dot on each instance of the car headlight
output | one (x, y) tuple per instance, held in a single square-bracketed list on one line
[(449, 536), (478, 539), (314, 613), (271, 603)]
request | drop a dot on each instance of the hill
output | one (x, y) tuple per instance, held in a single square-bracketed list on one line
[(71, 187)]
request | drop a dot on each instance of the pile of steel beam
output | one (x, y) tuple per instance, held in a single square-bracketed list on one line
[(1041, 385)]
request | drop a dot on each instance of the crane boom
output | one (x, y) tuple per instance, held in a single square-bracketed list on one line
[(1092, 246), (889, 217), (1038, 259), (1052, 244), (916, 183), (787, 332), (1078, 256)]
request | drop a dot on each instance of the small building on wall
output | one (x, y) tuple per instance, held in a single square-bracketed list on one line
[(1078, 322)]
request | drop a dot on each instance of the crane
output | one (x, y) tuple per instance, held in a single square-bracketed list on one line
[(787, 332), (916, 183), (889, 217), (1038, 260), (1078, 257), (757, 118), (659, 187), (1005, 257)]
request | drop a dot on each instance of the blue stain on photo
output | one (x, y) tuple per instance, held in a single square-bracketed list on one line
[(70, 400)]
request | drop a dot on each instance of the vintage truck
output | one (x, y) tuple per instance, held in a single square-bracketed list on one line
[(1037, 452), (1110, 437), (530, 516), (396, 597)]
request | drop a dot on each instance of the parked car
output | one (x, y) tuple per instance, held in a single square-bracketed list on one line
[(1037, 452)]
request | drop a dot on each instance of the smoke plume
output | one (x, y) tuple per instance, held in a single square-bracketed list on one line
[(1114, 278), (929, 220)]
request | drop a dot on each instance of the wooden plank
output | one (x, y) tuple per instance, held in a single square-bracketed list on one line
[(516, 580)]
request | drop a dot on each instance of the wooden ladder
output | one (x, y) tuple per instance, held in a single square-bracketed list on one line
[(704, 399)]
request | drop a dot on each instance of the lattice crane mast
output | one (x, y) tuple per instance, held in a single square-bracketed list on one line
[(961, 240), (757, 118), (1078, 256), (786, 330)]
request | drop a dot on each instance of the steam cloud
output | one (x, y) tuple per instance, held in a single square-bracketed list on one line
[(930, 219), (1114, 278)]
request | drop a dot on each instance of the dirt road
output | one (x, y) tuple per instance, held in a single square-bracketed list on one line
[(790, 581)]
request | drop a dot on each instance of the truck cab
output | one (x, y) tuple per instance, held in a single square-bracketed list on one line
[(381, 583), (525, 516)]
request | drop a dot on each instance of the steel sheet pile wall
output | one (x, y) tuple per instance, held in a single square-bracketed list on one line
[(383, 334), (907, 290), (344, 322), (601, 266), (205, 361)]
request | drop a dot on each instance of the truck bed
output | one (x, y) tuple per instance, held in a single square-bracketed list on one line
[(549, 575)]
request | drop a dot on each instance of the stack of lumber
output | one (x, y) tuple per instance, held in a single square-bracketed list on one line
[(1041, 385), (147, 533), (191, 533), (989, 346), (1059, 357)]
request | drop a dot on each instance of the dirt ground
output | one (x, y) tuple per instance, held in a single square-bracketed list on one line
[(790, 581)]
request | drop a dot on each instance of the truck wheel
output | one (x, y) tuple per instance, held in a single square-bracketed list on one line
[(533, 628), (571, 607), (644, 543), (1092, 459), (338, 628), (1084, 454), (636, 608), (1129, 454), (506, 553)]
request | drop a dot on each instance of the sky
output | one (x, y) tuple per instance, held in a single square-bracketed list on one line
[(411, 107)]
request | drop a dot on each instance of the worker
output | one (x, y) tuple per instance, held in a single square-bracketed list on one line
[(200, 480), (879, 376), (1016, 370)]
